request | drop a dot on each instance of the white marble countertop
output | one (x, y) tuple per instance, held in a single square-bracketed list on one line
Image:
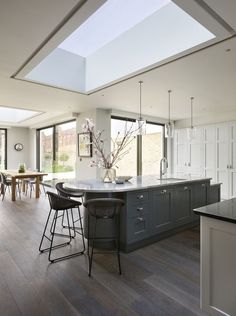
[(136, 183)]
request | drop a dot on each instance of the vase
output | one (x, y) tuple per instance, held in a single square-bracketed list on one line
[(108, 175), (21, 168)]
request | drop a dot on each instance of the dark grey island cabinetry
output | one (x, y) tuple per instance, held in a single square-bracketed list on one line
[(161, 212), (153, 208)]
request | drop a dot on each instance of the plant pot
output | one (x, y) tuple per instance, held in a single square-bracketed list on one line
[(108, 175)]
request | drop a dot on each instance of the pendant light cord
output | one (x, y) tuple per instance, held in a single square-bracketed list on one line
[(140, 99), (192, 112), (169, 91)]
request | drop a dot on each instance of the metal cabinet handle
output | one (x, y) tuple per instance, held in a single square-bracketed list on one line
[(140, 219), (139, 209), (163, 191), (140, 197), (189, 164), (185, 188), (227, 166)]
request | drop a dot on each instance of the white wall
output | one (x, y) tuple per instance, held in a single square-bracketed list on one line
[(18, 135), (102, 121), (32, 151)]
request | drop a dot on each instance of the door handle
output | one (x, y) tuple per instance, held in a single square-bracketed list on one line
[(140, 197), (140, 219), (139, 209)]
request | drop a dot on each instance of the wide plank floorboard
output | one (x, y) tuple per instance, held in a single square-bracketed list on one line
[(160, 279)]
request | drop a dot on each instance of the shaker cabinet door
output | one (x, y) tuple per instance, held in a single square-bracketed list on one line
[(161, 218)]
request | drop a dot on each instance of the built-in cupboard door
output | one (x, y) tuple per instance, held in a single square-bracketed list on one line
[(222, 158), (209, 152), (181, 151), (232, 160), (195, 163)]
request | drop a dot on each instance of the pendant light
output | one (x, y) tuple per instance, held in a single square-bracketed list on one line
[(140, 122), (169, 127), (191, 131)]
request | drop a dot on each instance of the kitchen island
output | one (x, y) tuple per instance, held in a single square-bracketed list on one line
[(153, 208), (218, 257)]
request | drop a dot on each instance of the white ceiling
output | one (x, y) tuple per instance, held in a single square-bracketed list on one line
[(209, 74)]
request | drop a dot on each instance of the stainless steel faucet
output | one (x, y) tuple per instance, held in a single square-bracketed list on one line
[(163, 166)]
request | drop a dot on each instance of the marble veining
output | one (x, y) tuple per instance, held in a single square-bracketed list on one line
[(136, 183)]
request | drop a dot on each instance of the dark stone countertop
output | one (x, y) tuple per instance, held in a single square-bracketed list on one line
[(224, 211)]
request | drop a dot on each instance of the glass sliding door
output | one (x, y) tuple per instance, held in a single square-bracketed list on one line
[(46, 150), (65, 149), (145, 151), (127, 166), (3, 149), (57, 150), (152, 148)]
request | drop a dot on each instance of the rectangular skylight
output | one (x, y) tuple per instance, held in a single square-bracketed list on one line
[(110, 21), (13, 115), (122, 38)]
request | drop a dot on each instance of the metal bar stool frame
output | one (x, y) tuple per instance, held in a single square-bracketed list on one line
[(115, 206), (71, 193), (68, 205)]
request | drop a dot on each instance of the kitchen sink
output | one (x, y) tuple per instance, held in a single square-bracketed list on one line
[(170, 179)]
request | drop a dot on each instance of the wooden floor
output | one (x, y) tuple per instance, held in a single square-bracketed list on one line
[(161, 279)]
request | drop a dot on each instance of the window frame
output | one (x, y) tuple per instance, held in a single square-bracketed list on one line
[(5, 145), (139, 141), (53, 126)]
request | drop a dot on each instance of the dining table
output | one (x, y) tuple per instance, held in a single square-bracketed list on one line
[(28, 174)]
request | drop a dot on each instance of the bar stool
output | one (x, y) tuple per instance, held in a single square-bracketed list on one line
[(57, 204), (70, 193), (102, 209)]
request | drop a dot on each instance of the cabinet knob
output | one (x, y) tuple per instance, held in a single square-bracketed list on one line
[(203, 185), (185, 188), (140, 219), (140, 197), (189, 164), (139, 209), (163, 191)]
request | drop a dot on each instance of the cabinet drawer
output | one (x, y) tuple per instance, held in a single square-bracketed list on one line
[(138, 228), (137, 209), (137, 196)]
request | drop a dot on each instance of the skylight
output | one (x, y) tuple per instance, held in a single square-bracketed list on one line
[(120, 39), (13, 115), (107, 23)]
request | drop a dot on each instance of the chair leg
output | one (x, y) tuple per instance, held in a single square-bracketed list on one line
[(81, 228), (73, 223), (53, 234), (4, 192), (44, 231), (19, 191), (118, 243), (91, 257)]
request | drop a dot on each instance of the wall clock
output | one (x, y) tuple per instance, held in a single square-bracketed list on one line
[(18, 146)]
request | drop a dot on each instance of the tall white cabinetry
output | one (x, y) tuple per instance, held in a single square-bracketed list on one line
[(211, 154), (226, 158), (188, 155)]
